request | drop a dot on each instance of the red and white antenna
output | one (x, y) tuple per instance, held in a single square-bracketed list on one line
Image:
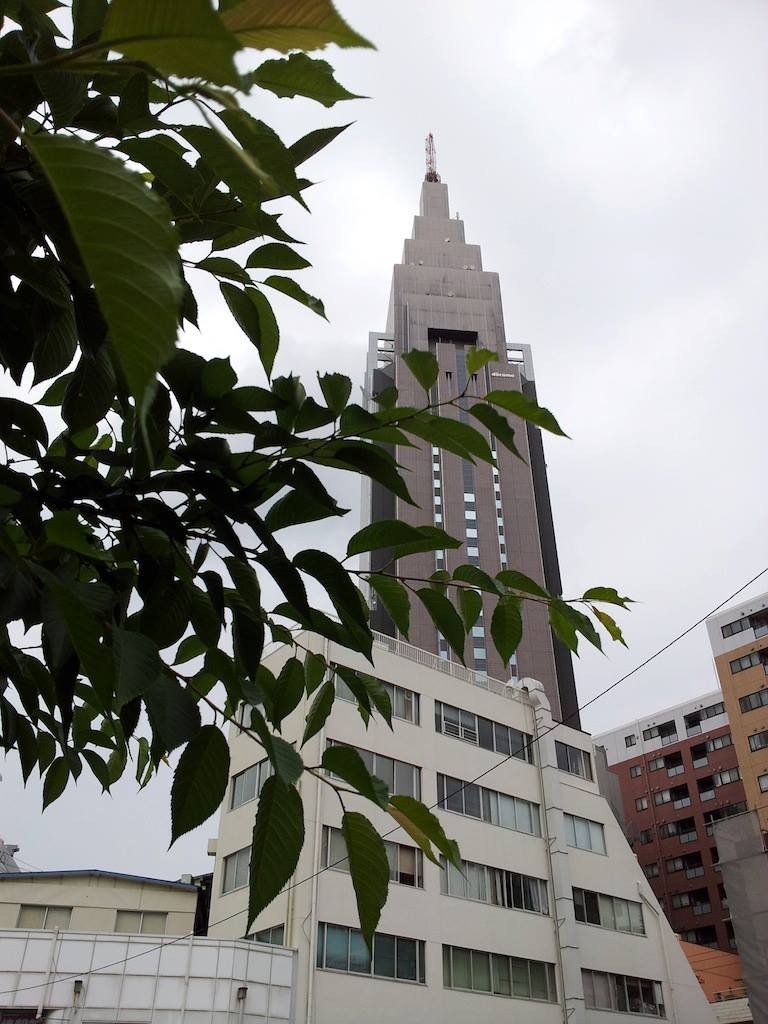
[(431, 155)]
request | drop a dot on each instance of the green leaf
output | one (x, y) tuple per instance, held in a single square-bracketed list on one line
[(66, 531), (394, 597), (289, 689), (498, 426), (308, 145), (369, 868), (22, 427), (519, 581), (300, 75), (99, 768), (284, 757), (278, 836), (189, 648), (403, 538), (319, 711), (315, 667), (581, 622), (255, 318), (610, 625), (425, 828), (164, 159), (475, 577), (369, 693), (445, 618), (173, 711), (470, 606), (477, 358), (507, 626), (241, 173), (200, 781), (526, 408), (304, 25), (334, 577), (289, 287), (55, 781), (607, 594), (181, 37), (276, 256), (346, 764), (453, 435), (336, 390), (118, 223), (90, 391), (423, 365), (220, 266), (264, 147)]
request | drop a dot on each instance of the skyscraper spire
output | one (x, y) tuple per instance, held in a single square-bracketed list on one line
[(431, 154)]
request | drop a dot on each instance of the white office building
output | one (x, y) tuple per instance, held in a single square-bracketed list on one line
[(552, 919)]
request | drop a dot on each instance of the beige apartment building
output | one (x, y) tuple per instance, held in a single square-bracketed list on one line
[(96, 901), (739, 640)]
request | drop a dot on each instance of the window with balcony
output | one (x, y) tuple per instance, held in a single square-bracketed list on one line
[(472, 728), (706, 936), (655, 764), (722, 778), (678, 796), (666, 732), (674, 764), (691, 865), (696, 899), (699, 755), (573, 760), (706, 788), (710, 817)]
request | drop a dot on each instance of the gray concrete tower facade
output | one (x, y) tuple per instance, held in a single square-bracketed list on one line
[(443, 301)]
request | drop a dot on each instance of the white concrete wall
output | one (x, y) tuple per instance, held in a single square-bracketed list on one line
[(132, 978), (326, 997)]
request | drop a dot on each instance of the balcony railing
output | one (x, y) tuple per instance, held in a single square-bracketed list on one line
[(449, 668)]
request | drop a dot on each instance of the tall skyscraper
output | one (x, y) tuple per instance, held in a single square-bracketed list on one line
[(443, 301)]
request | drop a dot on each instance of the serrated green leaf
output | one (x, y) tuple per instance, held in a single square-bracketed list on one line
[(289, 689), (369, 868), (275, 256), (445, 618), (300, 75), (319, 711), (117, 222), (519, 581), (336, 390), (452, 435), (200, 781), (315, 668), (526, 408), (423, 365), (221, 266), (477, 358), (607, 594), (172, 710), (254, 316), (346, 764), (394, 597), (289, 287), (181, 37), (304, 25), (425, 828), (137, 664), (475, 577), (55, 781), (470, 606), (609, 623), (506, 626), (278, 836), (403, 538), (498, 426)]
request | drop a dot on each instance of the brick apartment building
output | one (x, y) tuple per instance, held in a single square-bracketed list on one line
[(678, 773)]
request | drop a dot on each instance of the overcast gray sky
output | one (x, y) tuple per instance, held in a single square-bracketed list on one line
[(611, 157)]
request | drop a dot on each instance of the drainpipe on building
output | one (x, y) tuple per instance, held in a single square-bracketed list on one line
[(534, 700), (660, 918), (51, 966), (315, 874)]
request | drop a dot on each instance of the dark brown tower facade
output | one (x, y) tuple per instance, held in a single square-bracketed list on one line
[(443, 301)]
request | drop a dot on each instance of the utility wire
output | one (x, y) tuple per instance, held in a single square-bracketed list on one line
[(526, 746)]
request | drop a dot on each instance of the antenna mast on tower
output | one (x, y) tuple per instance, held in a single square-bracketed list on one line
[(429, 148)]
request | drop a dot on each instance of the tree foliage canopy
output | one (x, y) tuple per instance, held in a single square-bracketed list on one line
[(144, 489)]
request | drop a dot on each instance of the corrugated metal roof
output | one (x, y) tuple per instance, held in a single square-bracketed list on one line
[(97, 872)]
